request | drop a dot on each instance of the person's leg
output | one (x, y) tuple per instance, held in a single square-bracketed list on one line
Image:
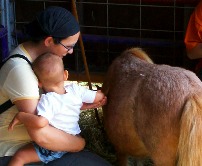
[(26, 154), (35, 164), (5, 160), (82, 158)]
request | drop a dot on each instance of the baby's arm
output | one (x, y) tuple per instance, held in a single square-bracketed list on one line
[(29, 120), (99, 101)]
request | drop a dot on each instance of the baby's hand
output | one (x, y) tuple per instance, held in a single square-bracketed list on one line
[(14, 122), (103, 101), (94, 105)]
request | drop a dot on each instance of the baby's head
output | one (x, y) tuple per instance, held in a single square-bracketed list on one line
[(49, 69)]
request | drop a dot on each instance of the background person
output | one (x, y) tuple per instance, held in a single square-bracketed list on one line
[(193, 38)]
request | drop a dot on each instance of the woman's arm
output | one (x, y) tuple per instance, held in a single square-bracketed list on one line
[(50, 137), (196, 52)]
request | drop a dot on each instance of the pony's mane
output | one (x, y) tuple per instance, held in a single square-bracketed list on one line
[(139, 53)]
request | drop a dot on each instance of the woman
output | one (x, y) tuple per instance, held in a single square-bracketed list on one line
[(53, 30)]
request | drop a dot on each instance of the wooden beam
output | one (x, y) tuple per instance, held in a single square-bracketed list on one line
[(81, 76)]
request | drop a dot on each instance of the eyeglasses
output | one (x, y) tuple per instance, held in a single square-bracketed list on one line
[(67, 47)]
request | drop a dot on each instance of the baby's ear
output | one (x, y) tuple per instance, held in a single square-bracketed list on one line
[(40, 84), (66, 74)]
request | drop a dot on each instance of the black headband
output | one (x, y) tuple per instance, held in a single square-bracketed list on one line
[(54, 21)]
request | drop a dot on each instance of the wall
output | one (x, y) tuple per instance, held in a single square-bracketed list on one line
[(110, 26)]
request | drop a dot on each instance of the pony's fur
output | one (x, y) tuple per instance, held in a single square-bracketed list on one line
[(153, 111)]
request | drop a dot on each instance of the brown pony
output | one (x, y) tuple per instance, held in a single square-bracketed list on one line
[(153, 111)]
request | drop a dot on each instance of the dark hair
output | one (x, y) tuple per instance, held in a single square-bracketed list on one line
[(54, 21), (57, 40), (34, 31)]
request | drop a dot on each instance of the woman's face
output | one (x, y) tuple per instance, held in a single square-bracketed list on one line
[(65, 46)]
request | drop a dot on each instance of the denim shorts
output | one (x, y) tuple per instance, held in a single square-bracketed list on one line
[(46, 155), (82, 158)]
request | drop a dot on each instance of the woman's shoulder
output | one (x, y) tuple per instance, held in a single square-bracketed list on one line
[(17, 50), (20, 50)]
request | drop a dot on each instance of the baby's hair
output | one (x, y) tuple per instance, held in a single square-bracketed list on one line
[(48, 67)]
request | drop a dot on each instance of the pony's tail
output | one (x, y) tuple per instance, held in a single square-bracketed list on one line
[(190, 140)]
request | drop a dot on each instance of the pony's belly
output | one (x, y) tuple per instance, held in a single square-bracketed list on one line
[(123, 136)]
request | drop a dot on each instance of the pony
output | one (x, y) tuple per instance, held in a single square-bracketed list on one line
[(153, 111)]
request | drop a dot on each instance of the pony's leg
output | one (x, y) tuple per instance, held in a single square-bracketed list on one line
[(164, 160), (139, 163), (135, 162), (165, 154), (122, 159)]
